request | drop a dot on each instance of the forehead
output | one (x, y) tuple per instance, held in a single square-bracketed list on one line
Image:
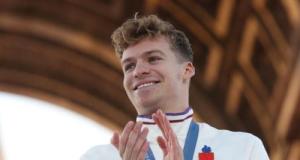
[(147, 45)]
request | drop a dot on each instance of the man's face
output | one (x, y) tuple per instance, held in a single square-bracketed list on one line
[(152, 74)]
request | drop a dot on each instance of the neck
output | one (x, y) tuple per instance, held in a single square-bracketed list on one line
[(166, 107), (173, 117)]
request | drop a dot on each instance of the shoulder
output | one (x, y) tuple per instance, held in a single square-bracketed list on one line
[(107, 151), (214, 132), (227, 143), (227, 136), (235, 142)]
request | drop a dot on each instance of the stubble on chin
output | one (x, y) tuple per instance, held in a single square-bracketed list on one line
[(146, 104), (146, 108)]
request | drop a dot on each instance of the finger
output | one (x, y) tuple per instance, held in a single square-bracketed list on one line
[(163, 145), (124, 137), (143, 151), (159, 121), (172, 148), (139, 143), (115, 140), (172, 141), (164, 123), (132, 139)]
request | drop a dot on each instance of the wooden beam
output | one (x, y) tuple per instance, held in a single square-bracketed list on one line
[(74, 39), (289, 105)]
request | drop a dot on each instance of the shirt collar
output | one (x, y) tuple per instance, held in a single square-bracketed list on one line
[(172, 117)]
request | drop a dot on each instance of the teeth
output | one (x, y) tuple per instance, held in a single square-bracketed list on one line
[(145, 85)]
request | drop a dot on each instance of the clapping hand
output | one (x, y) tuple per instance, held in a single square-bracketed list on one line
[(132, 143), (168, 143)]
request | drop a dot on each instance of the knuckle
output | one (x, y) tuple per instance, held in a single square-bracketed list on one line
[(123, 141), (135, 131), (133, 155), (130, 144), (136, 149)]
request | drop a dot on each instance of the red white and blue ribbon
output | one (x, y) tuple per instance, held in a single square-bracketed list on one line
[(189, 146)]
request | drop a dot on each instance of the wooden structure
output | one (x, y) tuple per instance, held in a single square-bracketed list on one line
[(247, 56)]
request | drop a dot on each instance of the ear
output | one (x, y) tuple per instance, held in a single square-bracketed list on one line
[(189, 71)]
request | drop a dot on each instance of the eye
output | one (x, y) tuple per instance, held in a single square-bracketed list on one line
[(153, 59), (128, 67)]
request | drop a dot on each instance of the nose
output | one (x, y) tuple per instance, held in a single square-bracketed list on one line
[(141, 69)]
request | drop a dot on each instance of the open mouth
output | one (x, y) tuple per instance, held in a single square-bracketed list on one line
[(143, 85)]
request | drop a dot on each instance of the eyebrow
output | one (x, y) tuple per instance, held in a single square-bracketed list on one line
[(143, 54)]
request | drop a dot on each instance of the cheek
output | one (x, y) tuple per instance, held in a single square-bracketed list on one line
[(175, 78), (174, 73), (126, 83), (180, 74)]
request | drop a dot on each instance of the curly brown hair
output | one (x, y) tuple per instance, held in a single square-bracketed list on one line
[(134, 30)]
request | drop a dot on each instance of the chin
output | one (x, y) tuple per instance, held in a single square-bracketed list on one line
[(147, 110), (148, 106)]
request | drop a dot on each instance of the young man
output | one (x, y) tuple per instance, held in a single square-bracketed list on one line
[(157, 64)]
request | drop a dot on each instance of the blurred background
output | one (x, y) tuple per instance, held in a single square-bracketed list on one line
[(59, 53)]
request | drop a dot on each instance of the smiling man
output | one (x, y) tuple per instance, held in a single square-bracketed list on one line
[(154, 76), (156, 59)]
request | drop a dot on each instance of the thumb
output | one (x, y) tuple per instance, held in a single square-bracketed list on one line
[(115, 140), (163, 145)]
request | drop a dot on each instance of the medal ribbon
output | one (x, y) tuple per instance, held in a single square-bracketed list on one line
[(189, 145)]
